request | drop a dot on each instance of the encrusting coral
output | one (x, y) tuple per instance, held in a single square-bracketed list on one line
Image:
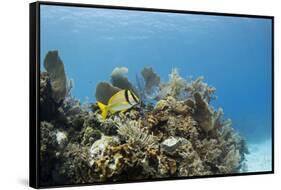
[(180, 135)]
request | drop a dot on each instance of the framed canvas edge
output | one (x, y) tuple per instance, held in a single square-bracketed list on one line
[(34, 88)]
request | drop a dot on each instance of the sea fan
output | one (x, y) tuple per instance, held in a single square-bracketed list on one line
[(146, 98)]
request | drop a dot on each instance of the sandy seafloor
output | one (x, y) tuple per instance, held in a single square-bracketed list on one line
[(260, 157)]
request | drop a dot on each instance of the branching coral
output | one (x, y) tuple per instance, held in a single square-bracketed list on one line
[(176, 83), (198, 86), (181, 89)]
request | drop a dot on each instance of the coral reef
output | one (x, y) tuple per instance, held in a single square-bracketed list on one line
[(180, 135)]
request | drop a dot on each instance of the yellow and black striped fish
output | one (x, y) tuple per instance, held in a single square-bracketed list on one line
[(121, 101)]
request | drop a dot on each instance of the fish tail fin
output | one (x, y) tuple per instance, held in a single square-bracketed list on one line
[(104, 110)]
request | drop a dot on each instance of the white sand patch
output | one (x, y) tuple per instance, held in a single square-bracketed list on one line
[(260, 157)]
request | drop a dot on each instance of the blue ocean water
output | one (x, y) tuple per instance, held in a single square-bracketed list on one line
[(232, 53)]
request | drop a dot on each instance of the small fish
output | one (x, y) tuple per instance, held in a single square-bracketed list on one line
[(121, 101)]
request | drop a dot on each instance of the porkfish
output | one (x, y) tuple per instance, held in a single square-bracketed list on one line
[(121, 101)]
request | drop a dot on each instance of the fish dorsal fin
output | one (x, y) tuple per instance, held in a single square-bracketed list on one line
[(116, 98)]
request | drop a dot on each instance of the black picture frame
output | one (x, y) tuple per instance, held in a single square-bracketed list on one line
[(34, 82)]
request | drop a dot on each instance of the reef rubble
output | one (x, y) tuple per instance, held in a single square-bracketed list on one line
[(180, 135)]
